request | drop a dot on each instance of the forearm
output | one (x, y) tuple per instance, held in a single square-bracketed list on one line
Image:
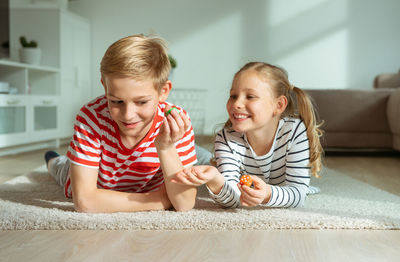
[(182, 197), (228, 196), (287, 196), (109, 201)]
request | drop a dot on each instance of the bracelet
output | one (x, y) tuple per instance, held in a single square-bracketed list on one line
[(169, 111)]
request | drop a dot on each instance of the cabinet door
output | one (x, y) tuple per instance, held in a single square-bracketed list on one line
[(44, 117), (75, 69), (13, 120)]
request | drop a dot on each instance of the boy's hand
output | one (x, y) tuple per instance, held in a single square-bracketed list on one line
[(254, 196), (173, 128), (195, 175)]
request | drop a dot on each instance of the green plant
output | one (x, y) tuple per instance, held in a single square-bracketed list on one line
[(25, 43), (172, 61)]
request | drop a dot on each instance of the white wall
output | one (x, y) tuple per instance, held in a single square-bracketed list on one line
[(322, 43)]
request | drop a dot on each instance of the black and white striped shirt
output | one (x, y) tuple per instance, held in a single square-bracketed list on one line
[(285, 167)]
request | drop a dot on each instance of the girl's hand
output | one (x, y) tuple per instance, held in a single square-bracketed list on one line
[(254, 196), (173, 128), (195, 175)]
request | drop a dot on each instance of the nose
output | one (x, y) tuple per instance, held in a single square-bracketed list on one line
[(238, 103), (128, 111)]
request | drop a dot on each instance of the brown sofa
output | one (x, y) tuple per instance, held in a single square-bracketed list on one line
[(359, 118)]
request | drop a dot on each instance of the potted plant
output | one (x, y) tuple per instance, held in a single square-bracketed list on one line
[(29, 53), (173, 63)]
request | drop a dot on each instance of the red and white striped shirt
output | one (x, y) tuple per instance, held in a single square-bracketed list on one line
[(96, 143)]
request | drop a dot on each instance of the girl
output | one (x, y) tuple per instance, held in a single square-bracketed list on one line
[(271, 135)]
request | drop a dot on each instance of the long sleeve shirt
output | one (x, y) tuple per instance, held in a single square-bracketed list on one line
[(285, 167)]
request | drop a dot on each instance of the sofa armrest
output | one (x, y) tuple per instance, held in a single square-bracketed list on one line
[(390, 80), (393, 115)]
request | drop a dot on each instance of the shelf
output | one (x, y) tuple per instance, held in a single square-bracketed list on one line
[(28, 66)]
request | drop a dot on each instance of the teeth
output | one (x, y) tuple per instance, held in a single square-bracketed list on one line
[(240, 116)]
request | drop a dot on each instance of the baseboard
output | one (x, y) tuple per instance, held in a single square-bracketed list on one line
[(54, 143)]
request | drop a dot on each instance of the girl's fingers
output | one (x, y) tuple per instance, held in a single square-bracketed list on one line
[(200, 175), (191, 176), (181, 178), (258, 182), (249, 201), (250, 191), (246, 198)]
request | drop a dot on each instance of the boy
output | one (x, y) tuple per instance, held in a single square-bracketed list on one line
[(124, 141)]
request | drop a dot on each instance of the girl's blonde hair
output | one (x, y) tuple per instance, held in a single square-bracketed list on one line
[(299, 106), (139, 57)]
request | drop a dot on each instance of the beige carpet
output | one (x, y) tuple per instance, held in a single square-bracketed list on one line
[(34, 201)]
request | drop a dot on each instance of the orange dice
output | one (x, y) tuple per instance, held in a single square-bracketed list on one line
[(246, 180)]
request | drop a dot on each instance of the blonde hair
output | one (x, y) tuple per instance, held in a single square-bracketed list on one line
[(299, 106), (139, 57)]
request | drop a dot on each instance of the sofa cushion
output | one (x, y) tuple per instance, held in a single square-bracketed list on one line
[(352, 110)]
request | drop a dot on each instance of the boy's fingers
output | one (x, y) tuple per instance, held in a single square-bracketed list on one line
[(167, 128), (185, 120), (172, 124), (178, 116)]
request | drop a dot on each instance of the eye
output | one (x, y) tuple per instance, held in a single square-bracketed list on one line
[(117, 102), (233, 97), (251, 96), (142, 102)]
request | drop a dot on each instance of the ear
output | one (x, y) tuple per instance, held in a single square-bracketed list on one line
[(280, 105), (164, 92)]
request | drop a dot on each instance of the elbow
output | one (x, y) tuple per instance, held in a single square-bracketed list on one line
[(184, 207), (83, 206)]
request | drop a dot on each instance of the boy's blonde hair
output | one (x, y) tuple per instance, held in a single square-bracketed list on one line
[(139, 57), (299, 106)]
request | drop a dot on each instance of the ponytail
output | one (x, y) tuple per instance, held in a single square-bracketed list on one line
[(305, 110)]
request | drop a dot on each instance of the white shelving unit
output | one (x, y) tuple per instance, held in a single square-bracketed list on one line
[(30, 115), (49, 96)]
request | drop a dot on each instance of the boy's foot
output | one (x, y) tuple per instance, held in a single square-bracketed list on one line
[(50, 155)]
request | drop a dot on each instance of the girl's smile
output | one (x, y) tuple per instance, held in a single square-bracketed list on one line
[(240, 117)]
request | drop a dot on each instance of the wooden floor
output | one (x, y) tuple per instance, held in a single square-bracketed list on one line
[(262, 245)]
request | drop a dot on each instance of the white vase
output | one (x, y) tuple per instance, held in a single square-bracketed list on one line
[(30, 55)]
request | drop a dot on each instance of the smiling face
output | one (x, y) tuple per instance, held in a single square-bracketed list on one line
[(133, 105), (252, 105)]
